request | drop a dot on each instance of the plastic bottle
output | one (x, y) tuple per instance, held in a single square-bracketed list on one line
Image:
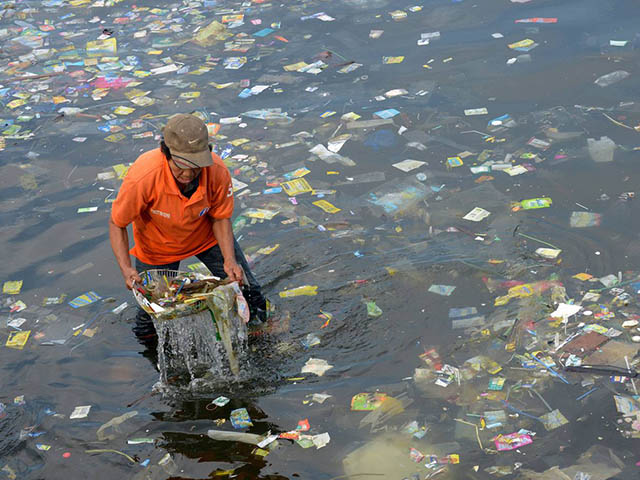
[(611, 78), (602, 150), (168, 465)]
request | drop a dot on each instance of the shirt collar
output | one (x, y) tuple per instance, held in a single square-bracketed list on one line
[(172, 188)]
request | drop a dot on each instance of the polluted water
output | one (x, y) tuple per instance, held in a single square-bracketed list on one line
[(437, 197)]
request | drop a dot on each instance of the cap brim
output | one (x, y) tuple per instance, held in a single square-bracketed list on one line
[(193, 160)]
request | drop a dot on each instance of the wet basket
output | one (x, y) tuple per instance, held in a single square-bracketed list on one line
[(152, 277), (201, 335)]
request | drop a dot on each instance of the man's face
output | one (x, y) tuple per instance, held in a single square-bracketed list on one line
[(183, 176)]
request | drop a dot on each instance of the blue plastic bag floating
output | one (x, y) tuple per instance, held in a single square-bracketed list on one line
[(381, 139)]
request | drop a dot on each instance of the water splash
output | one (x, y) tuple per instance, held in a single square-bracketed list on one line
[(205, 348)]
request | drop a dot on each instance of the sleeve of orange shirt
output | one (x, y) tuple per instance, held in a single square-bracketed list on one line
[(221, 193), (129, 204)]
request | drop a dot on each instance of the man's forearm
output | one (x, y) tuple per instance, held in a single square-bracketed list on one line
[(119, 239), (223, 232)]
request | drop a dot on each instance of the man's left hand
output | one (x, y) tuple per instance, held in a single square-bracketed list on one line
[(234, 271)]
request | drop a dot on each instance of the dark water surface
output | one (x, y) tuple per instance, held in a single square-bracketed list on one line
[(363, 253)]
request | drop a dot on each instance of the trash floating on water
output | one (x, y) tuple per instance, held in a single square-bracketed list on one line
[(354, 194)]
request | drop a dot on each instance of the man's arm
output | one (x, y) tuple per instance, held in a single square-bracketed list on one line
[(223, 232), (120, 245)]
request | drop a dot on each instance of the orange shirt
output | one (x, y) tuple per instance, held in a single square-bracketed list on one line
[(167, 226)]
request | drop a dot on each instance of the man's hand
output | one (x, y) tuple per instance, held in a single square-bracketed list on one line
[(131, 275), (120, 245), (223, 232), (234, 271)]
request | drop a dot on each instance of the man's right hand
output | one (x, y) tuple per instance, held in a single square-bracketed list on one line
[(131, 275), (120, 244)]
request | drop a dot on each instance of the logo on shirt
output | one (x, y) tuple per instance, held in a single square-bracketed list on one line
[(203, 211), (162, 214)]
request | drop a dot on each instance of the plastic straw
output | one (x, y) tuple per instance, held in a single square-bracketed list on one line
[(584, 395), (510, 407)]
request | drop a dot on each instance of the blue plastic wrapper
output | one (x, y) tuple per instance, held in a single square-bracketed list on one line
[(240, 418)]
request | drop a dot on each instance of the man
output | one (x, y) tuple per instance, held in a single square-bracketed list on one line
[(179, 198)]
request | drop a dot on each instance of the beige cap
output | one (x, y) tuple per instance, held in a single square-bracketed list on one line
[(188, 139)]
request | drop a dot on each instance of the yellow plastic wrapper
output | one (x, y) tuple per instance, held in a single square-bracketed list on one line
[(583, 276), (391, 60), (326, 206), (18, 340), (115, 138), (16, 103), (519, 291), (211, 34), (12, 287), (121, 170), (101, 47), (268, 250), (296, 187), (307, 290), (122, 110), (295, 66), (527, 42)]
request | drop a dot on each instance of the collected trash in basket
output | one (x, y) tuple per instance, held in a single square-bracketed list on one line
[(201, 322)]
